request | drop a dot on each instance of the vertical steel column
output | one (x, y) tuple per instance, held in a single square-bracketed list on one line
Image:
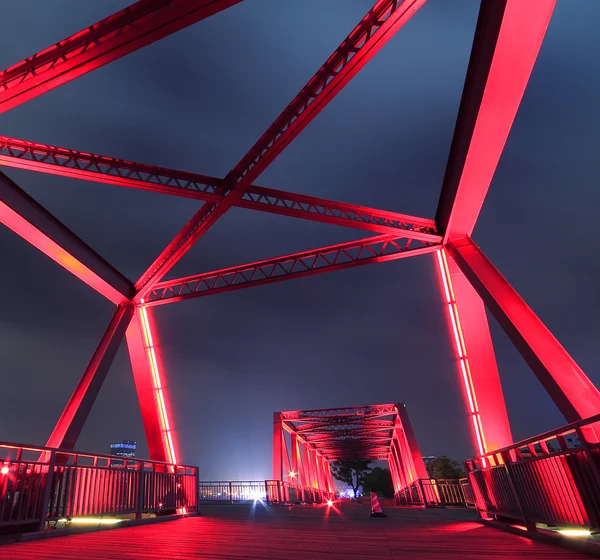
[(277, 446), (69, 425), (146, 366), (403, 469), (568, 386), (295, 457), (409, 442), (305, 473), (320, 471), (488, 418), (394, 472)]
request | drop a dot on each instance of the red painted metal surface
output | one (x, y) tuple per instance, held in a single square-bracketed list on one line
[(318, 437), (103, 169), (23, 215), (572, 391), (551, 479), (381, 248), (508, 37), (375, 29), (71, 422), (147, 369), (126, 31), (507, 41), (478, 370), (63, 485)]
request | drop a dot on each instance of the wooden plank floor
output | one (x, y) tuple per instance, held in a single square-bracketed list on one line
[(280, 533)]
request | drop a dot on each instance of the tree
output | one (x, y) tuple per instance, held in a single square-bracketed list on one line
[(444, 467), (351, 473), (379, 480)]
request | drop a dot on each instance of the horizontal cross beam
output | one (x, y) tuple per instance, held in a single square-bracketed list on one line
[(334, 257), (75, 164), (132, 28), (364, 41), (326, 414)]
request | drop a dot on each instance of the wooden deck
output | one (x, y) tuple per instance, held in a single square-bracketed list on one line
[(298, 533)]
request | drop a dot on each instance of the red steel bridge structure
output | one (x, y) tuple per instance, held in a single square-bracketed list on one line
[(306, 442), (508, 37)]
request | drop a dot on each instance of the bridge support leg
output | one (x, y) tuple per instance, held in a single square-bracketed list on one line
[(568, 386), (149, 384), (409, 448), (71, 422), (478, 370), (277, 446)]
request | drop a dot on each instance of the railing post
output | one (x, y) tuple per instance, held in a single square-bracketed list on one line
[(47, 492), (140, 508), (530, 526), (230, 493)]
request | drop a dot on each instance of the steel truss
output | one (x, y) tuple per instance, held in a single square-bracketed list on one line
[(508, 37), (306, 442)]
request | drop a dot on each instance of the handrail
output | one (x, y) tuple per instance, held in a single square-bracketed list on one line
[(542, 437), (61, 451)]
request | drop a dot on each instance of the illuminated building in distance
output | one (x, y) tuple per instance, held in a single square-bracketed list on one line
[(123, 448)]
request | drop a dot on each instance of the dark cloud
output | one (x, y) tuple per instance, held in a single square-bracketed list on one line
[(197, 101)]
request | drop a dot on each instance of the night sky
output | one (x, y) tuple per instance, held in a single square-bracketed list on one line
[(197, 101)]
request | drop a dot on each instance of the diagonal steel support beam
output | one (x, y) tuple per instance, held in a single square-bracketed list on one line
[(65, 162), (568, 386), (334, 257), (375, 29), (126, 31), (28, 219), (508, 37)]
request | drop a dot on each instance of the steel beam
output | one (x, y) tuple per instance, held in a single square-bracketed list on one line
[(375, 29), (28, 219), (68, 428), (277, 473), (65, 162), (308, 263), (508, 37), (478, 371), (568, 386), (149, 384), (126, 31)]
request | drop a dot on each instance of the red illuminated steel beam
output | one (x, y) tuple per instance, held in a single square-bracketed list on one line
[(69, 426), (477, 366), (330, 427), (22, 154), (28, 219), (568, 386), (126, 31), (508, 37), (375, 29), (340, 414), (150, 387), (335, 257)]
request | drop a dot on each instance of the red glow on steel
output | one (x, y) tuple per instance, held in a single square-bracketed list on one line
[(50, 248), (461, 350), (158, 385)]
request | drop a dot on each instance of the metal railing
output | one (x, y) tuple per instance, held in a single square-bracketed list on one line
[(432, 492), (40, 485), (270, 491), (551, 479)]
